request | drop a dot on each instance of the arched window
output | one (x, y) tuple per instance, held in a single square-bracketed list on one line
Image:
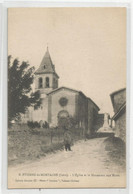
[(40, 82), (47, 82)]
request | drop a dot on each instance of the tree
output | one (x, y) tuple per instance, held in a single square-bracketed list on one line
[(20, 95)]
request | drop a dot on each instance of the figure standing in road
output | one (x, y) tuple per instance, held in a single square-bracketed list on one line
[(67, 139)]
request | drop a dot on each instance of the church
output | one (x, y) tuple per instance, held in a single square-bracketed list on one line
[(60, 103)]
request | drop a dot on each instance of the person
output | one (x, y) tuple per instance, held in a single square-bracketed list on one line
[(67, 139)]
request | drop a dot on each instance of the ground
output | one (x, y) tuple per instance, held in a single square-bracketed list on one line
[(92, 156), (26, 144)]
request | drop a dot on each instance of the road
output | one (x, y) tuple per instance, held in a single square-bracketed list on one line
[(88, 157)]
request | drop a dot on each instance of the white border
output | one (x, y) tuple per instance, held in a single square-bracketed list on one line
[(3, 90), (0, 94)]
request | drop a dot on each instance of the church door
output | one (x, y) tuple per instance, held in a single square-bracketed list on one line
[(63, 119)]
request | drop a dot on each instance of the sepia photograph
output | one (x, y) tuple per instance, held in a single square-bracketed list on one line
[(67, 97)]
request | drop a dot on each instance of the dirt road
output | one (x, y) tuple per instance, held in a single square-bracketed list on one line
[(88, 157)]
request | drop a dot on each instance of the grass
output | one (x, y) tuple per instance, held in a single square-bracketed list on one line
[(25, 144)]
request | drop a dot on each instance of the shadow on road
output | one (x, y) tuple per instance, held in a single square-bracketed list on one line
[(116, 150)]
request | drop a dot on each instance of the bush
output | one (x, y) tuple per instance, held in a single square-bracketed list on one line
[(30, 124), (45, 125), (36, 124), (33, 125)]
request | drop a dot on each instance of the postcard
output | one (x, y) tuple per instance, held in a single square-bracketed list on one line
[(67, 97)]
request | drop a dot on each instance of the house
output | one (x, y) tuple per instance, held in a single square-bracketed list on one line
[(118, 99)]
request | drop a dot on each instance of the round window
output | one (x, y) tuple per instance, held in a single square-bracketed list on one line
[(63, 101)]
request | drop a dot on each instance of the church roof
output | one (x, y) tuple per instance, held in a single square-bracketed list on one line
[(46, 65), (63, 88), (75, 91)]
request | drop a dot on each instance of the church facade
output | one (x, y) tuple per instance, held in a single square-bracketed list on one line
[(60, 103)]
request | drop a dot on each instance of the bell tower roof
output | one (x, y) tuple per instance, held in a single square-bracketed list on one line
[(46, 65)]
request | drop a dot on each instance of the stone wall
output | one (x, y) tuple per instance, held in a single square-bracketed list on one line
[(120, 127)]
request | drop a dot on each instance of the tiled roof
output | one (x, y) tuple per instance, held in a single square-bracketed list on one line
[(120, 90), (116, 92)]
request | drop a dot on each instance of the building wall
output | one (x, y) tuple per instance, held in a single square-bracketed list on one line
[(118, 99), (28, 116), (120, 127), (39, 114), (92, 116), (81, 114), (99, 122), (42, 112), (44, 89), (56, 107), (78, 106)]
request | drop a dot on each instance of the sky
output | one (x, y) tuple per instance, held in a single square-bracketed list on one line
[(87, 46)]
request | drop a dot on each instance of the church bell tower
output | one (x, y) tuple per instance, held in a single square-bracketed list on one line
[(46, 78)]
